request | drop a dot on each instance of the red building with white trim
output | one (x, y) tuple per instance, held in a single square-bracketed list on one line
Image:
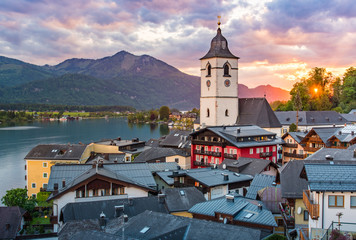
[(212, 145)]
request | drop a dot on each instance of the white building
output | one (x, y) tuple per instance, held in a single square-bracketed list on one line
[(331, 191)]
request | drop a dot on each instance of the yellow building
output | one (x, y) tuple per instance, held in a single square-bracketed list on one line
[(42, 157)]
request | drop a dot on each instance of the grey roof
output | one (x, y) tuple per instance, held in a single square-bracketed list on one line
[(177, 139), (140, 174), (297, 136), (182, 199), (335, 153), (166, 226), (92, 210), (13, 217), (346, 134), (250, 166), (219, 47), (159, 153), (107, 158), (57, 152), (271, 197), (257, 111), (331, 177), (353, 111), (165, 166), (207, 176), (239, 208), (351, 118), (352, 147), (153, 142), (291, 183), (230, 134), (311, 118), (260, 181)]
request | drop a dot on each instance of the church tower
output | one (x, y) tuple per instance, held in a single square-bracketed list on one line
[(219, 89)]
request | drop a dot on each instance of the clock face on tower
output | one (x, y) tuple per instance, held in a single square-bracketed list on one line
[(208, 83), (227, 83)]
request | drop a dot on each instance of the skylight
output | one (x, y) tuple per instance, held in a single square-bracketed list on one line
[(182, 193), (144, 230), (248, 215), (176, 135)]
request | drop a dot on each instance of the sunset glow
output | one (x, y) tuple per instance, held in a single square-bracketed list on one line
[(278, 42)]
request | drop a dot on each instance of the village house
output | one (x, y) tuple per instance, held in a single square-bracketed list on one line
[(293, 149), (211, 145), (12, 221)]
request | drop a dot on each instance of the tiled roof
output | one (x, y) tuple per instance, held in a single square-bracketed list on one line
[(11, 216), (250, 166), (351, 118), (257, 111), (92, 210), (182, 199), (177, 139), (166, 226), (239, 208), (311, 118), (291, 183), (331, 177), (230, 133), (346, 134), (160, 153), (57, 152), (297, 136), (260, 181), (335, 153), (163, 166)]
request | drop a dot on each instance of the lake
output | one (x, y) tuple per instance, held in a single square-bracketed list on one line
[(17, 141)]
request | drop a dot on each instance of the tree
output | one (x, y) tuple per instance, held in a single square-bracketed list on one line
[(18, 197), (164, 112), (292, 127), (348, 92)]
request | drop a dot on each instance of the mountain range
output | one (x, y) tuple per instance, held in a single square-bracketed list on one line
[(142, 82)]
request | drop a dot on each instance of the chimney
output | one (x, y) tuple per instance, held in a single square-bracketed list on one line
[(230, 198), (119, 138), (226, 176), (101, 163), (130, 200), (238, 130), (126, 218), (329, 158), (352, 133), (102, 220), (119, 210), (161, 198), (259, 207), (63, 182)]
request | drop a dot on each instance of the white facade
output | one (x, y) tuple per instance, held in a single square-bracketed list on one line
[(327, 213), (219, 92)]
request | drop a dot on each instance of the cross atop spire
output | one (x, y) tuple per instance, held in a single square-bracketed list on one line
[(219, 23)]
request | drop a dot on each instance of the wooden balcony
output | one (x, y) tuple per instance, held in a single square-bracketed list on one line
[(208, 153), (294, 155), (288, 220), (311, 149), (230, 156), (313, 208), (202, 164), (291, 145), (266, 154), (208, 143)]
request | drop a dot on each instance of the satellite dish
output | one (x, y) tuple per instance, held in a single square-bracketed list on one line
[(224, 166), (299, 211)]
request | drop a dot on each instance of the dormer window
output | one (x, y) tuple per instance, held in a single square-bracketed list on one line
[(226, 70), (209, 70)]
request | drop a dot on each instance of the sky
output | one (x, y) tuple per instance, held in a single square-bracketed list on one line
[(278, 41)]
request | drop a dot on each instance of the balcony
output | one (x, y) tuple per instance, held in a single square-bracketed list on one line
[(202, 164), (311, 149), (313, 208), (230, 156), (209, 153), (291, 145), (266, 154), (294, 155), (288, 220), (208, 143)]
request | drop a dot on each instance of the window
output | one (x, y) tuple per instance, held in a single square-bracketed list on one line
[(44, 186), (45, 175), (212, 160), (176, 160), (197, 157), (122, 191), (209, 70), (206, 149), (34, 195), (336, 201), (261, 150), (45, 164), (181, 179), (274, 148), (226, 113), (301, 152), (251, 150), (33, 185), (267, 149), (207, 113), (353, 201), (257, 150), (306, 215), (226, 70)]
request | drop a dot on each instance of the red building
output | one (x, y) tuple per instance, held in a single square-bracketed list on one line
[(212, 145)]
